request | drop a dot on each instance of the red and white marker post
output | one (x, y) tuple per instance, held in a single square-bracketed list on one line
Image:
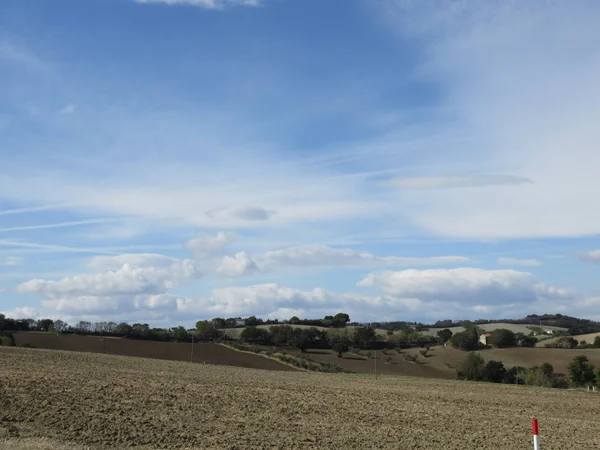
[(536, 438)]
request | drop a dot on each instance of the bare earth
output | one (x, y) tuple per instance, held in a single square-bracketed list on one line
[(67, 400)]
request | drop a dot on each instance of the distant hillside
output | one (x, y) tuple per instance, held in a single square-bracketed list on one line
[(489, 327)]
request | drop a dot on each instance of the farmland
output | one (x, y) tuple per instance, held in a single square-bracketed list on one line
[(208, 353), (68, 400), (589, 338)]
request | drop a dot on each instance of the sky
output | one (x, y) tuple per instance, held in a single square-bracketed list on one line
[(166, 161)]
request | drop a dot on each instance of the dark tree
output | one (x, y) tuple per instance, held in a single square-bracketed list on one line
[(466, 340), (340, 320), (364, 337), (444, 335), (581, 371), (503, 338), (45, 324), (205, 331), (218, 323), (596, 343), (340, 347), (494, 372), (256, 335)]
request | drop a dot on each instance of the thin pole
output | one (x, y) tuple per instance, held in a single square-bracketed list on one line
[(536, 438), (192, 355), (375, 364)]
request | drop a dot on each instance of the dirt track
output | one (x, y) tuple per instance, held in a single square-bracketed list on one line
[(102, 401)]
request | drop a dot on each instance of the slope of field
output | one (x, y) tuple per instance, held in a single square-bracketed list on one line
[(203, 352), (95, 401), (442, 361), (489, 327), (589, 338)]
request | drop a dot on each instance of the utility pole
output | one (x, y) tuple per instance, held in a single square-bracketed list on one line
[(192, 352)]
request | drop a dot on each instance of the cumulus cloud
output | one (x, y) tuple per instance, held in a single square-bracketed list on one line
[(324, 256), (203, 246), (207, 4), (445, 182), (518, 262), (128, 280), (12, 261), (464, 286), (237, 265), (592, 256)]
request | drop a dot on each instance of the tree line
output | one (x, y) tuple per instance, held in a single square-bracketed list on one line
[(581, 373)]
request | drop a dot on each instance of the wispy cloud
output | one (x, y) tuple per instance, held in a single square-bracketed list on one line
[(207, 4), (23, 57), (443, 182), (592, 256), (518, 262), (8, 212), (74, 223), (69, 109), (12, 261)]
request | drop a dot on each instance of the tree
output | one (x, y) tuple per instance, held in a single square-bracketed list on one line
[(294, 320), (444, 335), (340, 347), (205, 331), (123, 329), (364, 337), (466, 340), (2, 322), (180, 334), (596, 343), (252, 321), (60, 326), (472, 368), (494, 372), (45, 324), (340, 320), (581, 371), (503, 338), (218, 323), (256, 335), (524, 340)]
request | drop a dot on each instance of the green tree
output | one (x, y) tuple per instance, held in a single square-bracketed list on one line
[(444, 335), (494, 371), (3, 322), (256, 335), (467, 340), (503, 338), (581, 371), (218, 323), (364, 337), (294, 320), (45, 324), (340, 320), (596, 343), (340, 347), (205, 331), (524, 340), (472, 368), (180, 334)]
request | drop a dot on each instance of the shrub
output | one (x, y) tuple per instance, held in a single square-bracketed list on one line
[(467, 340), (444, 335), (411, 357), (503, 338), (581, 371), (472, 368), (596, 343), (340, 347)]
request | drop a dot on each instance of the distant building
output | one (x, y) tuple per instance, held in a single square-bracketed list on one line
[(549, 331), (240, 323), (485, 339)]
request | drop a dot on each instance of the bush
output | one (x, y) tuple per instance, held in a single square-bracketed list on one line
[(563, 342), (340, 347), (467, 340), (256, 336), (596, 343), (411, 357), (472, 368), (444, 335)]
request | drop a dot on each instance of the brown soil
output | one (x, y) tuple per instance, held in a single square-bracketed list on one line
[(60, 400), (203, 352)]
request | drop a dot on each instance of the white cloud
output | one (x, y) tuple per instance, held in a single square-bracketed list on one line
[(207, 245), (68, 109), (313, 256), (12, 261), (589, 256), (128, 280), (465, 286), (249, 213), (134, 259), (25, 312), (444, 182), (208, 4), (520, 80), (519, 262), (2, 290), (236, 265), (74, 223)]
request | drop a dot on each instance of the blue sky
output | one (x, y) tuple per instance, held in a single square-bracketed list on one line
[(168, 160)]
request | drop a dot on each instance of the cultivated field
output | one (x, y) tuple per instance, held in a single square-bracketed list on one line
[(67, 400), (208, 353), (589, 338), (489, 327), (442, 361)]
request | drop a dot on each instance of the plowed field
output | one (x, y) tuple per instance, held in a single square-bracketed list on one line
[(55, 399)]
